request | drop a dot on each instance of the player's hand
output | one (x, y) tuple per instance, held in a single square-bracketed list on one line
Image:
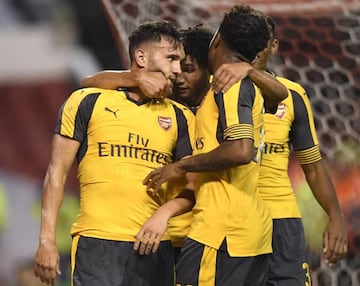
[(335, 240), (161, 175), (229, 74), (155, 84), (47, 261), (147, 240)]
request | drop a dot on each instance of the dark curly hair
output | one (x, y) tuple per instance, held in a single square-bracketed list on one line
[(245, 31), (196, 42), (271, 23), (152, 31)]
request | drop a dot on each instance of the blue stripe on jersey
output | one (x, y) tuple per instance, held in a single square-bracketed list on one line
[(82, 118), (300, 128), (183, 146)]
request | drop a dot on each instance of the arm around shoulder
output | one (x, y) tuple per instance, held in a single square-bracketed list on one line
[(273, 91), (151, 84), (111, 79)]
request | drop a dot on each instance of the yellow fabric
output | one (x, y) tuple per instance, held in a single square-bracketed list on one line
[(227, 203), (292, 125), (178, 226), (121, 142), (74, 244), (207, 271)]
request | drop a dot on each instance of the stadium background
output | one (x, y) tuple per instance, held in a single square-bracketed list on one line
[(46, 47)]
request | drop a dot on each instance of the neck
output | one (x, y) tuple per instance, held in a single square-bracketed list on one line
[(225, 58), (202, 94), (136, 94)]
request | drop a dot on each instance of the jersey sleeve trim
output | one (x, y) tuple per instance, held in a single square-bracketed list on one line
[(308, 156), (240, 131)]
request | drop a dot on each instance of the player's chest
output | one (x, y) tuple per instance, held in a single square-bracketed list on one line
[(142, 126), (278, 126)]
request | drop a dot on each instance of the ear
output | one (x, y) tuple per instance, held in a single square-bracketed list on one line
[(140, 58), (274, 46)]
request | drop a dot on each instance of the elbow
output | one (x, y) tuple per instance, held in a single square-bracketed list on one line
[(279, 96), (246, 159), (240, 152), (283, 94), (241, 157)]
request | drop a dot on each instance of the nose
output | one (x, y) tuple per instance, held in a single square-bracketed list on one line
[(180, 79), (176, 67)]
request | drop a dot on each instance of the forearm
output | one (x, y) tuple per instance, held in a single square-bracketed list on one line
[(228, 155), (322, 187), (51, 203), (111, 79), (183, 203), (273, 91)]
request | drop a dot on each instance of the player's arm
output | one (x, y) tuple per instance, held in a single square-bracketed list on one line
[(63, 153), (228, 74), (335, 235), (152, 84), (237, 148), (148, 238), (305, 143), (227, 155)]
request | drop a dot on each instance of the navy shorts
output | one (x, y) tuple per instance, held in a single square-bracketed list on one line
[(201, 265), (108, 262), (288, 263)]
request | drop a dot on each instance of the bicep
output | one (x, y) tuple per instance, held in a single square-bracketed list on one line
[(63, 153)]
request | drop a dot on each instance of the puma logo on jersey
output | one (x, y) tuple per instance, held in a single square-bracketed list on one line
[(113, 112)]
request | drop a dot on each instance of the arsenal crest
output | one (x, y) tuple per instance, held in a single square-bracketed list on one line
[(280, 112), (165, 122)]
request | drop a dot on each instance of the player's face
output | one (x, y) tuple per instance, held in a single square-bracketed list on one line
[(165, 56), (192, 83)]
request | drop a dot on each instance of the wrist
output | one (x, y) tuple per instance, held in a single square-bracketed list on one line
[(165, 212), (335, 214), (250, 70), (136, 74), (181, 166), (47, 240)]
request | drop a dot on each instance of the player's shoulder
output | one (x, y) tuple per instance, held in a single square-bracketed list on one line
[(84, 92), (90, 93), (186, 110), (244, 87), (175, 103), (292, 85)]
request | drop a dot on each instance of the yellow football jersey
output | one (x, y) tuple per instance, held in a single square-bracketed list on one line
[(122, 140), (178, 226), (291, 127), (228, 204)]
